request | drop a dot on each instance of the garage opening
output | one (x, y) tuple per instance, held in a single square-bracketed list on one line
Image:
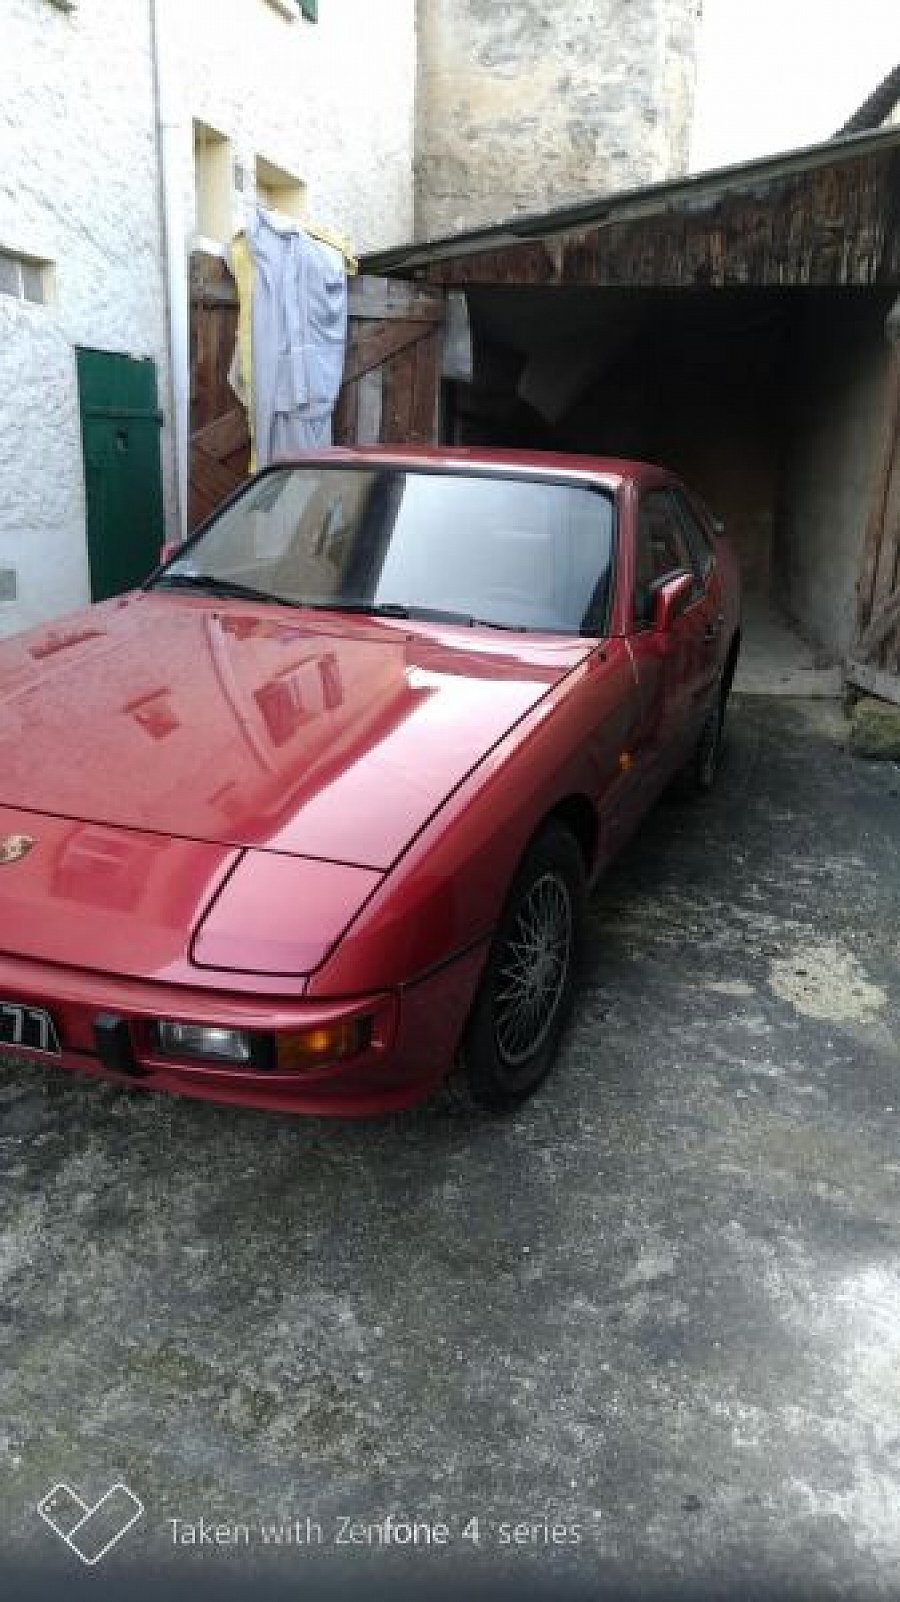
[(768, 401)]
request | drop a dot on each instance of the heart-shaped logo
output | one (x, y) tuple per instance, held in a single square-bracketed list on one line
[(90, 1532)]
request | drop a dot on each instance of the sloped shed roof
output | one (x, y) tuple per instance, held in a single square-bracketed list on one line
[(827, 214), (876, 108)]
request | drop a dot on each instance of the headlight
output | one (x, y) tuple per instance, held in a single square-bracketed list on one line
[(293, 1051), (196, 1040)]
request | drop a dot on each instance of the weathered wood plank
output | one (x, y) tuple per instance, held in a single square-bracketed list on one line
[(224, 436), (873, 539), (369, 408), (426, 390), (390, 298), (882, 626), (344, 423), (877, 682), (210, 484), (368, 347), (392, 366), (399, 386), (839, 225), (387, 393)]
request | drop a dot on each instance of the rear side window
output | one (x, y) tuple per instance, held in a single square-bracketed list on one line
[(699, 541), (662, 550)]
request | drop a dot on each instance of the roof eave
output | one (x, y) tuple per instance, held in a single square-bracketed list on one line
[(644, 200)]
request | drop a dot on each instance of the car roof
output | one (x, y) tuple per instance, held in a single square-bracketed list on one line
[(610, 470)]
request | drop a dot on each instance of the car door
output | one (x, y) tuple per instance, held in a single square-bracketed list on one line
[(703, 553), (676, 671)]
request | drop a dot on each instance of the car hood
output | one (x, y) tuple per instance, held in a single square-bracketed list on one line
[(243, 726), (143, 905)]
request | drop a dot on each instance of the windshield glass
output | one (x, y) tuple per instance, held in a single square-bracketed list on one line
[(513, 552)]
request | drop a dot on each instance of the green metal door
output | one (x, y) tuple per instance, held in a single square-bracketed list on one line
[(120, 424)]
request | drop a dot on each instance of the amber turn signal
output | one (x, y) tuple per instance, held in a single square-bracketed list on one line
[(334, 1042)]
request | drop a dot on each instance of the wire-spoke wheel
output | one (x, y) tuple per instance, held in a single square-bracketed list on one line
[(526, 991), (530, 984)]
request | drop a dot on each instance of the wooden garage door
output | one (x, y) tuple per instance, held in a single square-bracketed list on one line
[(392, 372), (392, 375)]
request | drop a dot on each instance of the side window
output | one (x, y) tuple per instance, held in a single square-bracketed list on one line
[(662, 550), (697, 537)]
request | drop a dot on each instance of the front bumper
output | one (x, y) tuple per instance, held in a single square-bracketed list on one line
[(399, 1069)]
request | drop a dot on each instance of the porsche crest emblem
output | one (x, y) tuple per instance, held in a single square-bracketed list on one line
[(13, 847)]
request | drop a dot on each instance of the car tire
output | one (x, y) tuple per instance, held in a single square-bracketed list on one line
[(708, 753), (700, 775), (527, 988)]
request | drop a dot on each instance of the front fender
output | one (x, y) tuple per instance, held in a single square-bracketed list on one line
[(445, 894)]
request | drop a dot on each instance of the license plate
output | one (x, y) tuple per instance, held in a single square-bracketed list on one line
[(28, 1029)]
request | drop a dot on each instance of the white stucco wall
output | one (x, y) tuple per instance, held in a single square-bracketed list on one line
[(78, 187), (331, 102)]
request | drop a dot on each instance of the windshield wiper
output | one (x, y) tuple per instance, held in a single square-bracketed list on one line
[(363, 608), (491, 623), (218, 586), (422, 614), (210, 585)]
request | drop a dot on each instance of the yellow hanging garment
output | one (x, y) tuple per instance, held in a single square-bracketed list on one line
[(242, 269), (326, 237)]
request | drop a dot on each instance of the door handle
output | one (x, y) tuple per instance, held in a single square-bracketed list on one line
[(713, 630)]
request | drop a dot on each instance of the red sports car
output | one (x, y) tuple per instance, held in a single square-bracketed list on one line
[(307, 823)]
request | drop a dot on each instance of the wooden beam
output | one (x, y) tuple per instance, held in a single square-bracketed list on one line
[(368, 348), (880, 628), (426, 390), (394, 298), (210, 485), (836, 225), (224, 435), (870, 560), (886, 686), (399, 393)]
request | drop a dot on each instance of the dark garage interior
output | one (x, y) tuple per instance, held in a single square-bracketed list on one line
[(766, 400), (740, 327)]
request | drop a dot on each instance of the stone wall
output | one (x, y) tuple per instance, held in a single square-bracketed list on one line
[(524, 105)]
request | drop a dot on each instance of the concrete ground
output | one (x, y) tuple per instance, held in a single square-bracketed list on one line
[(775, 658), (659, 1307)]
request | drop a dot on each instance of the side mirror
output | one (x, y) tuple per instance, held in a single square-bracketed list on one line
[(670, 600), (167, 551)]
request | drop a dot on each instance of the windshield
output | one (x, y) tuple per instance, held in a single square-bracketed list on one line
[(511, 552)]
